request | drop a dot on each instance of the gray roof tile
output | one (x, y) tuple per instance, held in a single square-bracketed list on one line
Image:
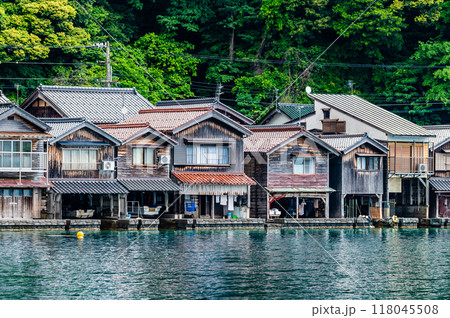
[(88, 187), (441, 132), (372, 114), (149, 184), (96, 104), (4, 99)]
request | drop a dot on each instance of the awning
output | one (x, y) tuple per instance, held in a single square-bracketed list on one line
[(440, 184), (14, 183), (300, 190), (213, 178), (88, 187), (149, 185)]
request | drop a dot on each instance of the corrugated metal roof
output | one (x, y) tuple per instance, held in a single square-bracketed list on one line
[(296, 111), (88, 187), (213, 178), (440, 184), (441, 132), (14, 183), (149, 185), (372, 114), (96, 104), (300, 190)]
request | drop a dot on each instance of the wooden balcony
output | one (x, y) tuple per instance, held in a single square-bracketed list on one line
[(410, 165)]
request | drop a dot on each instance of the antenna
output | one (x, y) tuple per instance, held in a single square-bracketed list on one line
[(219, 91), (276, 99), (350, 85)]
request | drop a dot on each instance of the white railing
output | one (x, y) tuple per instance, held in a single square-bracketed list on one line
[(25, 161)]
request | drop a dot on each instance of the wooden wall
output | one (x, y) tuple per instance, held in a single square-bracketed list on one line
[(280, 172), (355, 181), (442, 161), (256, 167), (210, 129), (125, 168), (40, 109), (105, 153)]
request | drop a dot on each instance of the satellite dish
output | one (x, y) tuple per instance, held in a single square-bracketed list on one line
[(124, 111), (308, 90)]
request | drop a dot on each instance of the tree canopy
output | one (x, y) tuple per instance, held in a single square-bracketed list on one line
[(396, 52)]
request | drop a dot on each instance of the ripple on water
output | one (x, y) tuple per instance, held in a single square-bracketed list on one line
[(221, 264)]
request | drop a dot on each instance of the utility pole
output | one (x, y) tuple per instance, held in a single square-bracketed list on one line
[(218, 91), (350, 85), (276, 99), (108, 62), (17, 90)]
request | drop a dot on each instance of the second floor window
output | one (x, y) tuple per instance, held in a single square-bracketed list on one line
[(208, 154), (79, 159), (368, 163), (304, 165), (11, 152), (143, 156)]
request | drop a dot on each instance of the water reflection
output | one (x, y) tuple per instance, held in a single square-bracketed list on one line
[(221, 264)]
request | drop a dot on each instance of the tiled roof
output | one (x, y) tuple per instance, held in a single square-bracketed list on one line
[(167, 119), (9, 183), (342, 142), (213, 178), (265, 138), (206, 102), (64, 126), (124, 131), (296, 111), (149, 185), (4, 99), (89, 187), (442, 133), (371, 114), (96, 104), (11, 109), (440, 184)]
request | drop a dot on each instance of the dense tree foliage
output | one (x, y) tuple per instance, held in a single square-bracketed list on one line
[(396, 52)]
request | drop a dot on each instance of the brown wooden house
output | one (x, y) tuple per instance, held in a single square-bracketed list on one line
[(143, 168), (440, 182), (208, 159), (291, 167), (99, 105), (357, 175), (23, 163), (82, 169)]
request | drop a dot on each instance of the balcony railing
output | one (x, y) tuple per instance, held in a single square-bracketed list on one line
[(410, 165), (25, 161)]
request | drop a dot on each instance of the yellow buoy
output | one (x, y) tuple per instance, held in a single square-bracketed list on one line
[(80, 235)]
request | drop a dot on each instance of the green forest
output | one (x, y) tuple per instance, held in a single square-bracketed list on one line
[(395, 55)]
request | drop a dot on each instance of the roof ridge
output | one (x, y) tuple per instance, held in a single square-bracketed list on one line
[(87, 88), (187, 101), (276, 128), (124, 125), (173, 110), (63, 120), (342, 136)]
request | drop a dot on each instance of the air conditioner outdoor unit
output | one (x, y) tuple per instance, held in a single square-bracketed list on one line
[(108, 165), (422, 167), (164, 159)]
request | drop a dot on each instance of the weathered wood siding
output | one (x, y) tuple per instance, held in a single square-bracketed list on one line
[(105, 153), (442, 161), (256, 167), (22, 207), (40, 109), (210, 130), (125, 168), (280, 173), (356, 181)]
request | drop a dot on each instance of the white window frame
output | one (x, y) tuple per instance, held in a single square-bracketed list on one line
[(17, 158), (70, 161), (208, 154), (143, 156), (300, 166)]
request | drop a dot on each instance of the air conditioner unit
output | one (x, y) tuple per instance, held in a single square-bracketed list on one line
[(164, 159), (422, 167), (108, 165)]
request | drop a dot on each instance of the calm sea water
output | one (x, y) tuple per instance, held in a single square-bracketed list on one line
[(224, 264)]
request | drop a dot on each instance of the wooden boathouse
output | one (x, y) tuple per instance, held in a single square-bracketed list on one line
[(82, 170), (291, 167), (357, 175), (23, 163), (143, 168), (208, 160)]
